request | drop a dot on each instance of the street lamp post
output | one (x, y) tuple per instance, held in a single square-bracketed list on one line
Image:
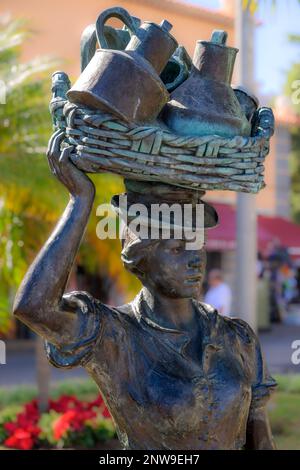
[(246, 205)]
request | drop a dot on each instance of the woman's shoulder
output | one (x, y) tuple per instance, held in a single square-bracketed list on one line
[(234, 326), (83, 303), (237, 336), (91, 317), (242, 329)]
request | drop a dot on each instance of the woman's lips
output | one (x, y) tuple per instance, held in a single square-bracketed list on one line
[(196, 279)]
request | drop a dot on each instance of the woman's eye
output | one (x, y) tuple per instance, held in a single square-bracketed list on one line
[(176, 250)]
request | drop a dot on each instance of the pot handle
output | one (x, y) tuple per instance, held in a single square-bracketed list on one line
[(120, 14), (88, 44)]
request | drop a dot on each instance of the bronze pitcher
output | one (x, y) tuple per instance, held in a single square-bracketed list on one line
[(205, 103)]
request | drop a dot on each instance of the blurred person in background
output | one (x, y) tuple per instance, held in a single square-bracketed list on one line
[(283, 283), (288, 281), (219, 293), (260, 265), (263, 298)]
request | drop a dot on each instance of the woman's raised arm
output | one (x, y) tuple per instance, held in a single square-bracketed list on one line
[(38, 302)]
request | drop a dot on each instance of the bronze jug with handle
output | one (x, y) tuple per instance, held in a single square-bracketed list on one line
[(126, 83), (205, 104)]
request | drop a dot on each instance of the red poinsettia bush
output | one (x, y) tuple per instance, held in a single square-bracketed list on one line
[(68, 422)]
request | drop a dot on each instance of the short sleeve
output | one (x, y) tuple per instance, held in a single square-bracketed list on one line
[(262, 383), (89, 313)]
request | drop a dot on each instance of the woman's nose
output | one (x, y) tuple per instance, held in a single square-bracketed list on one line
[(195, 262)]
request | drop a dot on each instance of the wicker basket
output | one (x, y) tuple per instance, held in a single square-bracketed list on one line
[(104, 143)]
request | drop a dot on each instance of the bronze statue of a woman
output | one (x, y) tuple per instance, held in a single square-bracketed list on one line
[(173, 372)]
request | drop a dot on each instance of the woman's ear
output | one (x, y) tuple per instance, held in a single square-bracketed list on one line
[(141, 263), (134, 261), (138, 273)]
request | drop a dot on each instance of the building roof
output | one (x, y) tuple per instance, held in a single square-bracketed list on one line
[(269, 228)]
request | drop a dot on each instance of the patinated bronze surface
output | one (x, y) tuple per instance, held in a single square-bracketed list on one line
[(140, 63), (205, 103), (173, 372)]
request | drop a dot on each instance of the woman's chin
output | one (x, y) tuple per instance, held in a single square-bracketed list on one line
[(187, 292)]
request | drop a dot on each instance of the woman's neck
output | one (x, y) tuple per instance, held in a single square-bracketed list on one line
[(175, 313)]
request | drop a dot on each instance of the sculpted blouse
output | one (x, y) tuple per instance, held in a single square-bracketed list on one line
[(161, 396)]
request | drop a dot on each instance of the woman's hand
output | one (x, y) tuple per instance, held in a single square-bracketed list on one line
[(66, 172)]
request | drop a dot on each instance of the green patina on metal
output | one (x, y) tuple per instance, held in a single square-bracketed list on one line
[(207, 136), (174, 373)]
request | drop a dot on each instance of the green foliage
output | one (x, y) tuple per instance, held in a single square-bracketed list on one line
[(94, 432), (31, 199), (283, 411), (292, 90), (100, 430), (285, 420), (292, 86), (67, 423), (46, 423), (82, 388), (25, 125), (8, 415), (253, 5), (295, 174), (288, 383)]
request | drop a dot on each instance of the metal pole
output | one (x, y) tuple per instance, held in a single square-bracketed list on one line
[(246, 252)]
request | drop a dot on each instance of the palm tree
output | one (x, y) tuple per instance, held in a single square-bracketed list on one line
[(24, 129), (31, 199)]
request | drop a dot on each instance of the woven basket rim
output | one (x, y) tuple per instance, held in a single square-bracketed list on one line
[(88, 113)]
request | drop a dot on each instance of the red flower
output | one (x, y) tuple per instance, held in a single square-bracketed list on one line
[(32, 409), (10, 427), (23, 433), (20, 439), (63, 424), (64, 403), (97, 403), (106, 413)]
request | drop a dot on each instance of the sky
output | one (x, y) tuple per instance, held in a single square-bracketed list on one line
[(274, 54)]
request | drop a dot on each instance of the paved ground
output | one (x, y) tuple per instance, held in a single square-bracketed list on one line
[(276, 344), (20, 369)]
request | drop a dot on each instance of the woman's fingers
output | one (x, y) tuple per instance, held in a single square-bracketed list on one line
[(51, 166), (57, 141), (64, 165), (63, 168), (70, 172), (65, 155), (51, 140), (53, 149)]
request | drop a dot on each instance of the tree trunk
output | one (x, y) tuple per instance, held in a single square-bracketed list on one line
[(42, 374)]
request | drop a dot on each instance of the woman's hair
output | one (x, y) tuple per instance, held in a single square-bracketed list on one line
[(135, 251)]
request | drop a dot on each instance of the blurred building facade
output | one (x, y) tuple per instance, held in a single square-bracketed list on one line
[(58, 26)]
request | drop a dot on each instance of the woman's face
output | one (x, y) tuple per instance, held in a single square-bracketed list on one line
[(174, 270)]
